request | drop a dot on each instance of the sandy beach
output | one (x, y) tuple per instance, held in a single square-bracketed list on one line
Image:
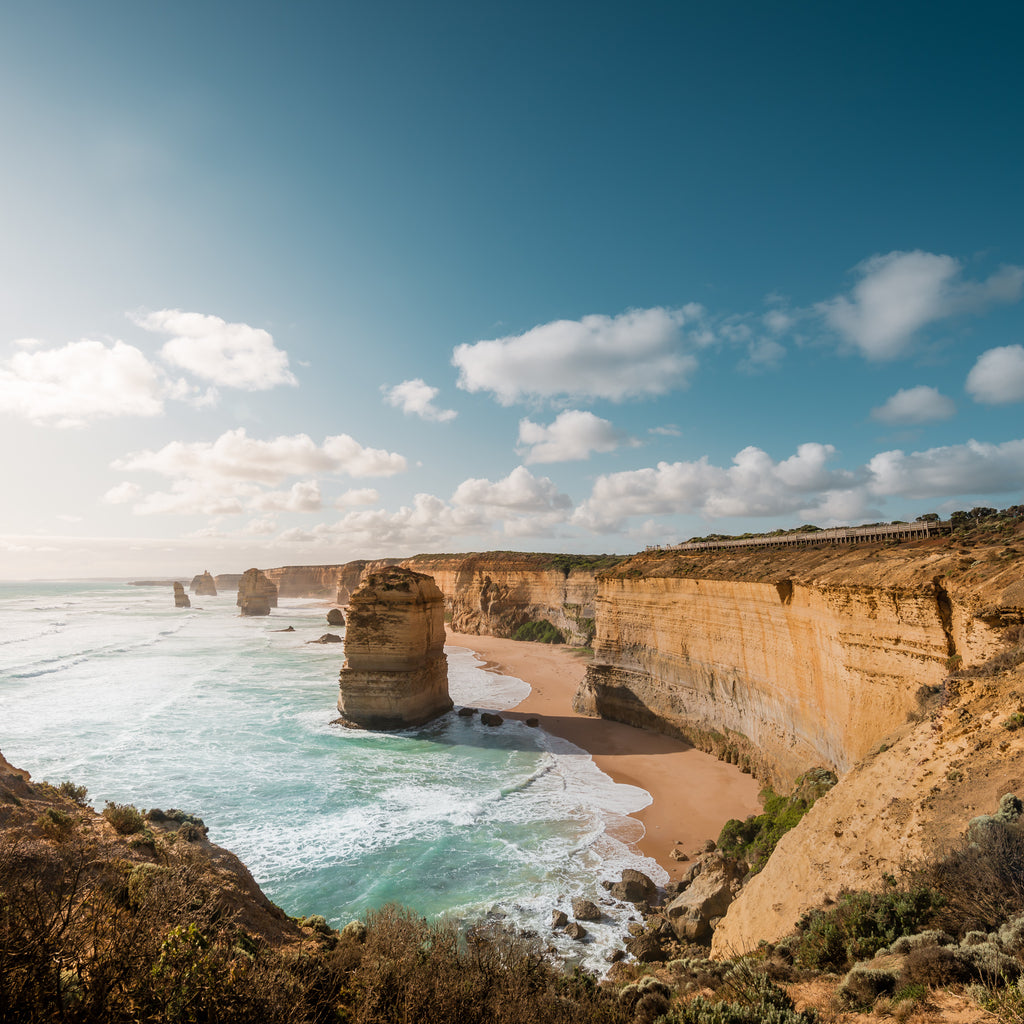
[(693, 794)]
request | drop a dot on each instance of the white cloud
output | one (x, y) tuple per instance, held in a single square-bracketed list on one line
[(416, 398), (520, 491), (235, 456), (763, 354), (262, 526), (668, 430), (233, 355), (84, 380), (962, 469), (900, 292), (123, 493), (920, 404), (304, 496), (357, 496), (573, 435), (998, 376), (193, 497), (754, 485), (640, 352)]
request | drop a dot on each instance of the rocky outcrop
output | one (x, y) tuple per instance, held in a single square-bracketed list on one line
[(395, 674), (497, 592), (204, 585), (335, 617), (783, 672), (256, 594), (180, 597), (713, 886)]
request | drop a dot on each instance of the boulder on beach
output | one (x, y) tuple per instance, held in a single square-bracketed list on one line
[(585, 910), (490, 719)]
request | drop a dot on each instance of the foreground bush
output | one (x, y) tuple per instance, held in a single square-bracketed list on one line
[(542, 632)]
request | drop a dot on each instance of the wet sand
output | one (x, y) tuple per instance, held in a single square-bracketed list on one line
[(693, 794)]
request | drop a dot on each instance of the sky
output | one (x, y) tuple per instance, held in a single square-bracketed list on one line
[(301, 283)]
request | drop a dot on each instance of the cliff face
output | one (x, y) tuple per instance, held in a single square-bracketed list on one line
[(813, 664), (497, 592), (313, 581), (396, 673)]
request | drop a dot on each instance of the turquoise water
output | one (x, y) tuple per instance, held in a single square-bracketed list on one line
[(111, 686)]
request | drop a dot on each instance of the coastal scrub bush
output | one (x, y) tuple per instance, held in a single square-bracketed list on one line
[(761, 1002), (861, 924), (72, 792), (754, 840), (55, 824), (541, 632), (126, 818)]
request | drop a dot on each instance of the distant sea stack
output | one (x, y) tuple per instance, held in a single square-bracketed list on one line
[(256, 594), (227, 580), (204, 586), (395, 674), (180, 597)]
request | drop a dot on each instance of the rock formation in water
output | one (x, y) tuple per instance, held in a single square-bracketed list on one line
[(180, 597), (335, 617), (204, 585), (256, 594), (396, 673)]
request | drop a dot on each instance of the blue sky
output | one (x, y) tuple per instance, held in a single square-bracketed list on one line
[(302, 283)]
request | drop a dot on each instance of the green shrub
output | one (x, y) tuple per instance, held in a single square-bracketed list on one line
[(55, 824), (126, 818), (863, 985), (542, 632), (759, 1002), (754, 840), (861, 924), (77, 793)]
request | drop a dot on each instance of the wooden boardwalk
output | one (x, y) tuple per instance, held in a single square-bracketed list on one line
[(839, 535)]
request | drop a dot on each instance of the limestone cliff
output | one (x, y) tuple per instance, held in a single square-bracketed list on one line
[(785, 660), (204, 585), (497, 592), (256, 594), (180, 597), (396, 673), (227, 580)]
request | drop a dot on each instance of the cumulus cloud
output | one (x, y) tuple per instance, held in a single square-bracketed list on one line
[(236, 456), (640, 352), (920, 404), (573, 435), (520, 491), (998, 376), (84, 380), (233, 355), (303, 496), (357, 496), (900, 292), (416, 398), (950, 471), (754, 485), (123, 493)]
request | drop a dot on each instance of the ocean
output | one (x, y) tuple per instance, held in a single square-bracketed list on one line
[(111, 686)]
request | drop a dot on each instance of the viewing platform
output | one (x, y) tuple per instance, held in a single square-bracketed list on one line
[(838, 535)]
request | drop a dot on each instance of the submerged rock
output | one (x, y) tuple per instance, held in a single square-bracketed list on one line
[(327, 638)]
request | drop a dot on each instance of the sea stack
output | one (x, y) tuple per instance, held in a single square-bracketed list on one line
[(256, 594), (395, 674), (180, 597), (204, 586)]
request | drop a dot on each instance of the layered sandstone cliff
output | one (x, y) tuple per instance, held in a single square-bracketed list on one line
[(497, 592), (811, 664), (227, 580), (203, 585), (256, 594), (395, 674)]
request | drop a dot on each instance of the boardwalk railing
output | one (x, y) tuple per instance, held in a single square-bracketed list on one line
[(839, 535)]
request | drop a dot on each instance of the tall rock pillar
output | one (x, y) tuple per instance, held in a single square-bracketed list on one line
[(395, 674), (256, 594)]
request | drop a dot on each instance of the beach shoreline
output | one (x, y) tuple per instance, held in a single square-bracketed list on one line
[(692, 793)]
